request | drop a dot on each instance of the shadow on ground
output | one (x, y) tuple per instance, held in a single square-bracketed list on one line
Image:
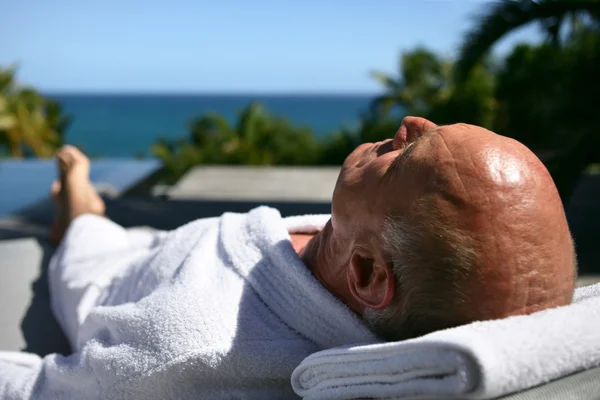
[(40, 330)]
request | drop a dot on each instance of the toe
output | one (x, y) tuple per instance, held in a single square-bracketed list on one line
[(75, 154), (67, 148), (69, 157)]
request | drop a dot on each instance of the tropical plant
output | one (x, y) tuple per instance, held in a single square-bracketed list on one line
[(425, 87), (547, 95), (30, 125), (257, 138), (423, 82), (504, 17)]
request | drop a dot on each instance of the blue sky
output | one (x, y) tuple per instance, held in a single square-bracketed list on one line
[(225, 46)]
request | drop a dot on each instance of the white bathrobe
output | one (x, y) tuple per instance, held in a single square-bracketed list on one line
[(219, 308)]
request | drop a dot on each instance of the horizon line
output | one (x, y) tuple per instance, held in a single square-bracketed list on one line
[(206, 93)]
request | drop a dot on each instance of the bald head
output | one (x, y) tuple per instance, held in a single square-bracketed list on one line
[(441, 226), (500, 198)]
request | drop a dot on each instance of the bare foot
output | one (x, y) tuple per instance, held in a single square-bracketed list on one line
[(73, 193)]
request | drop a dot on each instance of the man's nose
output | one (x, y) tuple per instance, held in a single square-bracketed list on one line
[(410, 130)]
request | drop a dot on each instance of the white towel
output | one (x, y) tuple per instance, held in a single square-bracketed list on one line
[(482, 360)]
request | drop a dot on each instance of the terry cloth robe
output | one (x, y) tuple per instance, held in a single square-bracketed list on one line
[(219, 308)]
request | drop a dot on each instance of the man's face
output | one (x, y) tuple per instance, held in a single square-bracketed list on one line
[(376, 179), (373, 181)]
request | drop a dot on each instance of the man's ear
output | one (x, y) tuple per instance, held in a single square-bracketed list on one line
[(371, 282)]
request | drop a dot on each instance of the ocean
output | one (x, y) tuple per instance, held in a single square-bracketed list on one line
[(128, 125)]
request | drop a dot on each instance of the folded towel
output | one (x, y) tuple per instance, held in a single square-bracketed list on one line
[(482, 360)]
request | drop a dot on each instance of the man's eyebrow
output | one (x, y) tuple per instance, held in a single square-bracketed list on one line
[(403, 157)]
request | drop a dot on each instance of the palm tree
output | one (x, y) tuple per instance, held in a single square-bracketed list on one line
[(506, 16), (29, 123), (426, 87), (549, 88), (256, 138), (423, 82)]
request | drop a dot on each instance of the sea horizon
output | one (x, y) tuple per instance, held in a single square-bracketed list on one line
[(127, 124), (205, 94)]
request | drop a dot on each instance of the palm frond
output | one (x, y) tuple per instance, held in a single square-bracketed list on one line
[(382, 105), (506, 16), (386, 81)]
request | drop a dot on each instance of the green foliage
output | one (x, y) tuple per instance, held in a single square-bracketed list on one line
[(257, 138), (547, 95), (426, 87), (422, 84), (576, 119), (30, 125), (503, 17), (530, 95)]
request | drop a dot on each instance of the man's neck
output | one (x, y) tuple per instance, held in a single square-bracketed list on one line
[(305, 245), (299, 241)]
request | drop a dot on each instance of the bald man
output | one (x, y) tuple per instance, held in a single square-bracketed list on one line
[(437, 227)]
